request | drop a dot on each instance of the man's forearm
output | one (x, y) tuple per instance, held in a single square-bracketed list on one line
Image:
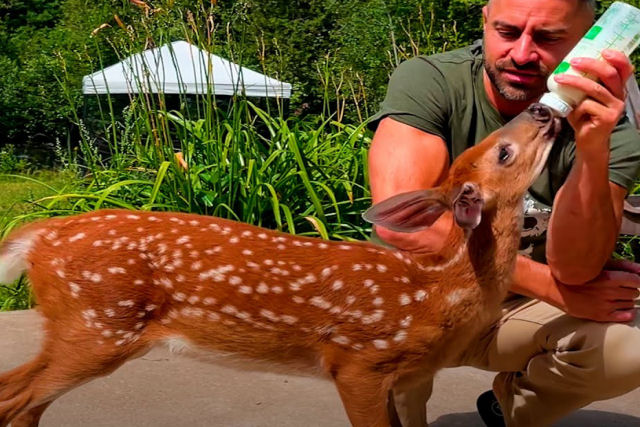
[(583, 227), (534, 280)]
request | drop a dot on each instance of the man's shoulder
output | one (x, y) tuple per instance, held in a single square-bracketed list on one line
[(446, 69), (452, 60)]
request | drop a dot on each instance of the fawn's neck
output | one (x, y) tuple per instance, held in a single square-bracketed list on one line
[(493, 247), (488, 252)]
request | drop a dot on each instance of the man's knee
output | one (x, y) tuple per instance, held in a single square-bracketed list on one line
[(605, 355)]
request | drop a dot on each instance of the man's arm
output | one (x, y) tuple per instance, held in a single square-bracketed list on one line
[(610, 297), (403, 158), (587, 210)]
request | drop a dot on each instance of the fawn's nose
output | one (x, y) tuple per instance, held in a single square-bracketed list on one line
[(540, 112)]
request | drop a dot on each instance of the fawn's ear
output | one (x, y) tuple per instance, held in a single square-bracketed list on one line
[(408, 212), (467, 206)]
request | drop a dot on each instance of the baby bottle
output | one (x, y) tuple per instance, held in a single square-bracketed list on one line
[(618, 28)]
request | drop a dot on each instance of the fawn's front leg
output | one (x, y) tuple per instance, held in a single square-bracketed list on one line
[(364, 394), (408, 402)]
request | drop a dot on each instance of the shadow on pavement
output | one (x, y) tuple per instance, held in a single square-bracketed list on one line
[(582, 418)]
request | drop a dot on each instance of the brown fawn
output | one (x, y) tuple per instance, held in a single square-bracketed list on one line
[(112, 284)]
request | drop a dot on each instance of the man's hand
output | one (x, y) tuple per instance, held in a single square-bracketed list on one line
[(610, 297), (594, 118)]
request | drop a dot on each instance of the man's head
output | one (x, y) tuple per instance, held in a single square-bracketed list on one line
[(524, 40)]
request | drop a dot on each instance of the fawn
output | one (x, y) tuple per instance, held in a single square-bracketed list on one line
[(112, 284)]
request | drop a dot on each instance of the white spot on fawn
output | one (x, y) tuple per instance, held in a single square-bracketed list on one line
[(320, 303), (289, 320), (77, 237), (378, 301), (182, 240), (341, 339), (179, 296), (337, 285), (406, 322), (268, 314), (381, 268), (229, 309), (376, 316), (245, 290), (381, 344), (420, 295), (400, 336), (217, 274), (94, 277), (126, 303), (75, 289), (404, 299), (116, 270), (262, 288), (209, 301)]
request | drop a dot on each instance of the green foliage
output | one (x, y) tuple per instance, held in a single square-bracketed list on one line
[(9, 161), (298, 175), (16, 296)]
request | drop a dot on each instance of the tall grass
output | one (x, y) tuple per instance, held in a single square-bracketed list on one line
[(304, 176)]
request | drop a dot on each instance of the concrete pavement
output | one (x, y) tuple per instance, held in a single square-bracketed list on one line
[(166, 390)]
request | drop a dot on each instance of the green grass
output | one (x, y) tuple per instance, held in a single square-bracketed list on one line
[(21, 190), (18, 200)]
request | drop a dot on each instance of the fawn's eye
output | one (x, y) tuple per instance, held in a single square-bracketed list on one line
[(505, 154)]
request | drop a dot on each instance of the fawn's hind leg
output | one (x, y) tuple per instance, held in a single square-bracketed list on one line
[(30, 417), (26, 391)]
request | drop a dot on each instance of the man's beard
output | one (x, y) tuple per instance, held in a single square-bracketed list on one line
[(514, 91)]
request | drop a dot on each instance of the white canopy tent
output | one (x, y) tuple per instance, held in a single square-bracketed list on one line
[(182, 68)]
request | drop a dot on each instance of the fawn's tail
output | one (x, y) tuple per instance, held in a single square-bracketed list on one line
[(14, 252)]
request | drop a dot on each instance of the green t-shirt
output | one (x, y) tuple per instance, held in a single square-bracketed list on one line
[(444, 95)]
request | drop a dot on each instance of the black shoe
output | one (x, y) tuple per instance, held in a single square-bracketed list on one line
[(489, 409)]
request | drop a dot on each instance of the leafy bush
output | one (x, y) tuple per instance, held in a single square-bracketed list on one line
[(10, 162)]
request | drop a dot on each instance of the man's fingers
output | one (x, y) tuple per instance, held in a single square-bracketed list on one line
[(607, 73), (622, 316), (623, 305), (621, 63), (623, 265), (590, 108), (592, 89)]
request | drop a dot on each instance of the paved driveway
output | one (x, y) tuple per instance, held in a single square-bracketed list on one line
[(165, 390)]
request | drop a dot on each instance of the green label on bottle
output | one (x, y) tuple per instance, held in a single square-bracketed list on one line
[(564, 66), (593, 32)]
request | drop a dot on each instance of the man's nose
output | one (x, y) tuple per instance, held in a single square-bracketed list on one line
[(523, 51)]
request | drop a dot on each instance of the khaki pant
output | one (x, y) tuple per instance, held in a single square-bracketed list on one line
[(550, 364)]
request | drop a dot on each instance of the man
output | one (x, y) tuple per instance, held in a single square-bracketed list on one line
[(574, 340)]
